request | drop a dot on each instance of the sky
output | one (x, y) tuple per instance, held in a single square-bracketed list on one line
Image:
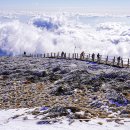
[(33, 4)]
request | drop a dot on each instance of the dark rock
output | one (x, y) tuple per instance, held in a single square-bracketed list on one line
[(16, 116), (119, 76), (58, 109), (35, 112), (44, 122), (44, 108), (56, 69), (40, 73), (125, 112), (64, 71), (116, 98), (59, 91), (53, 77), (6, 72), (96, 104), (110, 76), (94, 67), (94, 98), (73, 109), (31, 79), (25, 118)]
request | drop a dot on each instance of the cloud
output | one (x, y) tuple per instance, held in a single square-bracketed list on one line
[(60, 33)]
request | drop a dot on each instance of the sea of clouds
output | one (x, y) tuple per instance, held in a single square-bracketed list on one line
[(42, 33)]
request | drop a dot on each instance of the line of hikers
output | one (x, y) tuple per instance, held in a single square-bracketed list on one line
[(82, 56)]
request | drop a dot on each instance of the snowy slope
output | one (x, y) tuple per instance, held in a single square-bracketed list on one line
[(6, 123)]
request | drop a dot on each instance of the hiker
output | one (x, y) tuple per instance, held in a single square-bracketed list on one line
[(24, 53), (93, 57), (62, 54), (82, 55), (65, 55), (118, 60), (98, 57)]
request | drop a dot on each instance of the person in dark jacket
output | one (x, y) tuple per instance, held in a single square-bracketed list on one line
[(24, 53), (118, 60), (98, 57), (82, 55), (62, 54), (93, 57)]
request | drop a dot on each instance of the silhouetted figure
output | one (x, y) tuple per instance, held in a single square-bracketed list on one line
[(93, 57), (118, 60), (62, 54), (24, 53), (82, 55), (98, 57), (65, 55)]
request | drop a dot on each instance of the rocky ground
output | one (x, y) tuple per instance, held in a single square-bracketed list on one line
[(71, 88)]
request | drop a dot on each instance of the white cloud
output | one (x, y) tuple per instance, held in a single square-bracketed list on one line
[(108, 38)]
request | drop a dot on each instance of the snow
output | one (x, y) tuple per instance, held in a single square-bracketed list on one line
[(7, 123)]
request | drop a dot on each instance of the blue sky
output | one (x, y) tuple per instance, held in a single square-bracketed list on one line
[(29, 4)]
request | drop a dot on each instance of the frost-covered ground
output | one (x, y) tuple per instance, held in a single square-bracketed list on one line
[(63, 91), (8, 123)]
